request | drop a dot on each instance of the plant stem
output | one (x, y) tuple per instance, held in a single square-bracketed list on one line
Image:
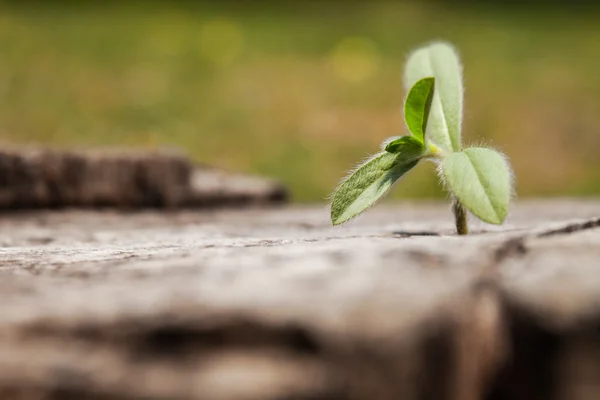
[(460, 217)]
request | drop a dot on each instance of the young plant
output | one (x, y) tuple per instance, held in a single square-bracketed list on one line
[(478, 179)]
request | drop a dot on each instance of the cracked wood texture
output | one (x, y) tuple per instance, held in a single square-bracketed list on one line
[(276, 304)]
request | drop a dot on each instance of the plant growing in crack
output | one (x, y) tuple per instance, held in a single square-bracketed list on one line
[(478, 179)]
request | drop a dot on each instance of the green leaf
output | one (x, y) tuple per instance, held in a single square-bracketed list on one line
[(417, 106), (410, 146), (445, 118), (369, 183), (481, 179)]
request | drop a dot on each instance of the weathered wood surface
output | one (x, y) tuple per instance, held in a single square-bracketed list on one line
[(32, 177), (278, 305)]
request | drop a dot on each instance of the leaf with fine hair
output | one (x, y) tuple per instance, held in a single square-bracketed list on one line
[(370, 182), (418, 105), (445, 118), (410, 146), (480, 178)]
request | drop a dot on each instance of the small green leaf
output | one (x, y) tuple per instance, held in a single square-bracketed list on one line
[(440, 61), (417, 106), (480, 178), (389, 140), (409, 146), (368, 184)]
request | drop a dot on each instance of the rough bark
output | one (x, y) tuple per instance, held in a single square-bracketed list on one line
[(121, 178)]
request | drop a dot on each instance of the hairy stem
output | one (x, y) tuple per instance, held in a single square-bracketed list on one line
[(460, 218)]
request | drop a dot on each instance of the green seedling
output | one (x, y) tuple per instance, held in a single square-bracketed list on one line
[(478, 179)]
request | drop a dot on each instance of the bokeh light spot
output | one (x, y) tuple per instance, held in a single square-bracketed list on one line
[(355, 59), (221, 41)]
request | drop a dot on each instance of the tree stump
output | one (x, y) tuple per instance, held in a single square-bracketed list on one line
[(276, 304), (33, 177)]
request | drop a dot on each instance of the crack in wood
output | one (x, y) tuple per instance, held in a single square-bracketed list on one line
[(572, 228)]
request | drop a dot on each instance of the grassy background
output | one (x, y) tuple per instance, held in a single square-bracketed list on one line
[(301, 93)]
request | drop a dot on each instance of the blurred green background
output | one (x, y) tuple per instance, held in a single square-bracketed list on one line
[(302, 91)]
